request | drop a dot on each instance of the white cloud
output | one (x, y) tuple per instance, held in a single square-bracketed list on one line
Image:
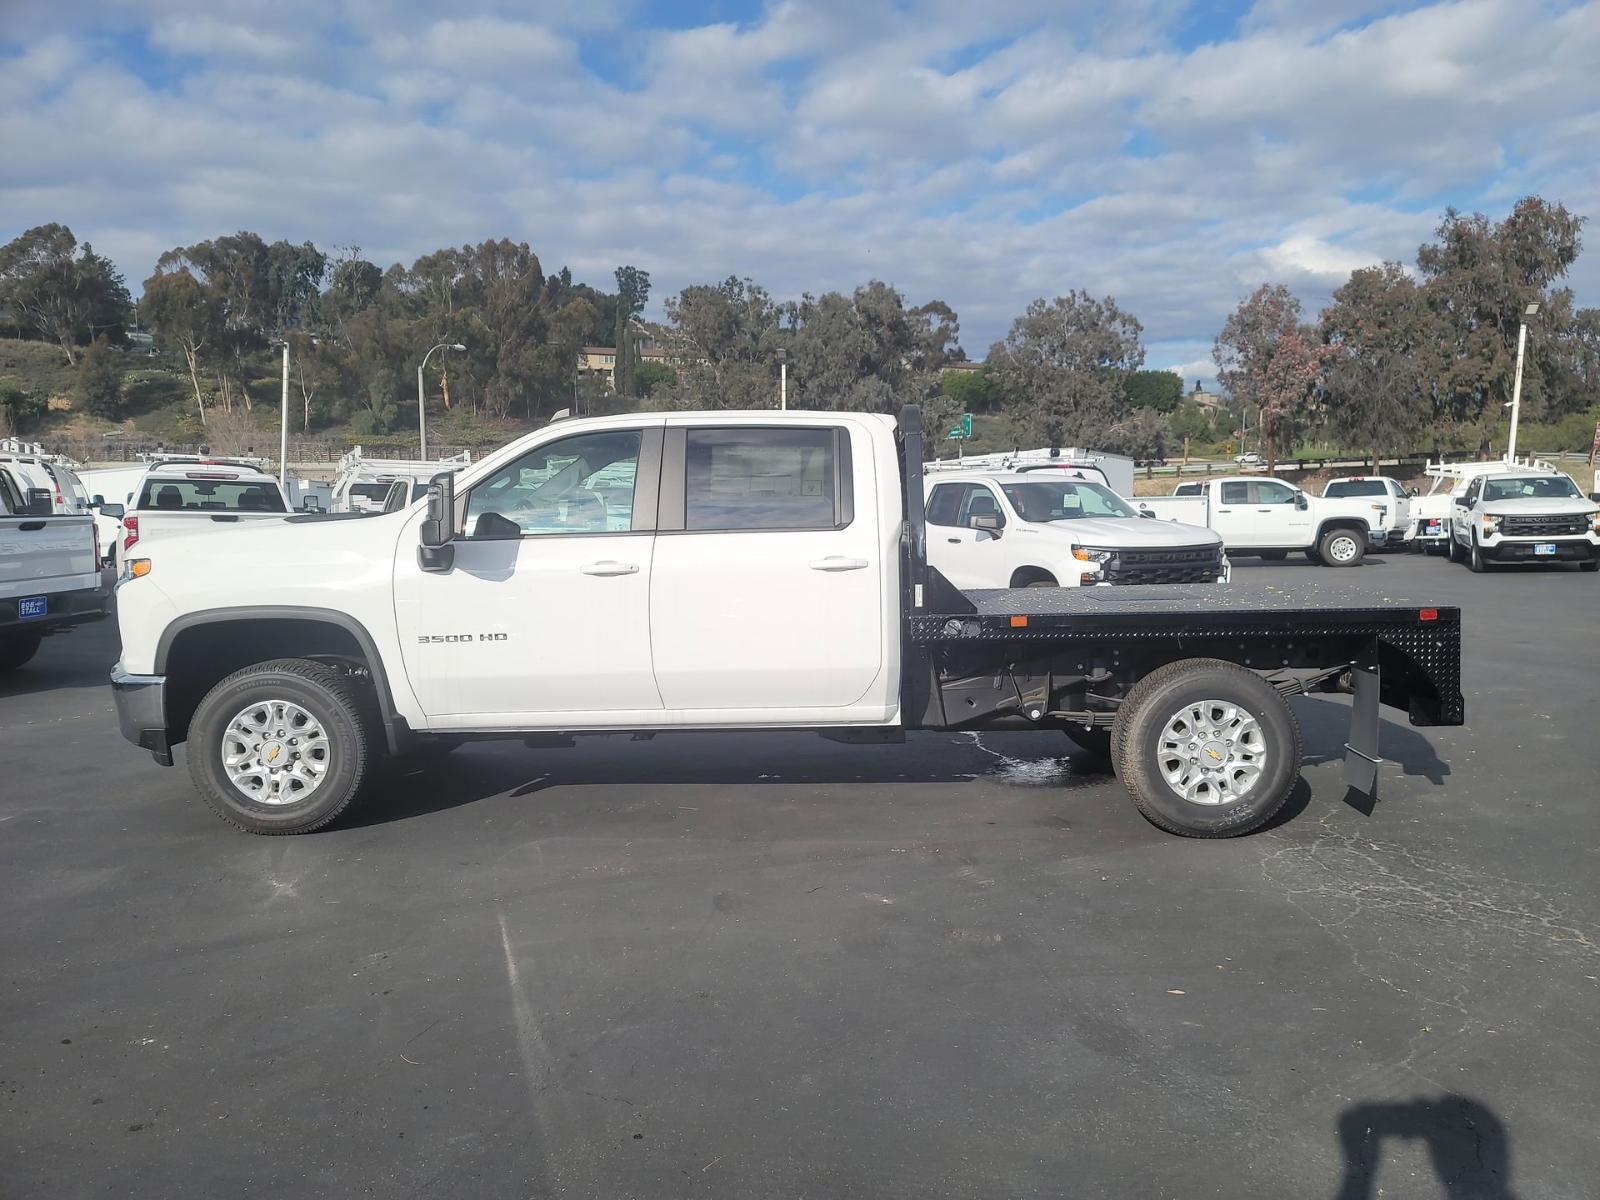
[(983, 154)]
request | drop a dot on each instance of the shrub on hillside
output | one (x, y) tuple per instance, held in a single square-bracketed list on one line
[(99, 384), (20, 409)]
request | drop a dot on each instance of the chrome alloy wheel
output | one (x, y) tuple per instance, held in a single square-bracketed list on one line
[(1343, 548), (275, 752), (1212, 752)]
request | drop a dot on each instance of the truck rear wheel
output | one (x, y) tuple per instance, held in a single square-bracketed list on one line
[(16, 649), (281, 746), (1207, 748), (1341, 548)]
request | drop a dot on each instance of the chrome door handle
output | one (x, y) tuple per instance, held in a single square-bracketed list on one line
[(609, 566), (835, 562)]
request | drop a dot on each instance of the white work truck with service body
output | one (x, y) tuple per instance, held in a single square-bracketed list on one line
[(1269, 517), (363, 484), (1524, 516), (1050, 529), (720, 571)]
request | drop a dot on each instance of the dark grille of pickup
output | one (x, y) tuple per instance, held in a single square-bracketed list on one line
[(1179, 564), (1552, 526)]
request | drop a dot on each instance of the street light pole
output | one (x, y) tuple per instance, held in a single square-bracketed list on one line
[(783, 380), (422, 404), (283, 432), (1516, 387)]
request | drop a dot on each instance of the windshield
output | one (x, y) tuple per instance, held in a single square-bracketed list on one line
[(1061, 500), (209, 495), (1356, 487), (1539, 487)]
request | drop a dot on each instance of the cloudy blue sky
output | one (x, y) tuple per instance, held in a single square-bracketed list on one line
[(1172, 154)]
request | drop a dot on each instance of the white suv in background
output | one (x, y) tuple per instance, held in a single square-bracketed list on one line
[(1038, 529)]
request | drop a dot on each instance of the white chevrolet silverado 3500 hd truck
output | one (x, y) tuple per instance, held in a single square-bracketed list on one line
[(721, 571), (50, 578)]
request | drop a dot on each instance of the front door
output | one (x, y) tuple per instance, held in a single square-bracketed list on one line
[(769, 589), (545, 616), (968, 557), (1280, 520)]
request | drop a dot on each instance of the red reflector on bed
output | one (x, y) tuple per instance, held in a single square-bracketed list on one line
[(1427, 614), (1019, 622)]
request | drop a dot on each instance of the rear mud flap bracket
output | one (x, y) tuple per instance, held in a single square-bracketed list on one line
[(1361, 760)]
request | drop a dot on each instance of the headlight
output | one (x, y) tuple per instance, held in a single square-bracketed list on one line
[(1491, 523), (1092, 554), (1594, 522)]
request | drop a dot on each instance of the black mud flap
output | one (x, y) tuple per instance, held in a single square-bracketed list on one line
[(1361, 761)]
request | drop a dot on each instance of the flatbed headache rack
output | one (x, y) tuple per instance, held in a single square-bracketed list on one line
[(1019, 658)]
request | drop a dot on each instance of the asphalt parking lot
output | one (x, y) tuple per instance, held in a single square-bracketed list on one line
[(776, 966)]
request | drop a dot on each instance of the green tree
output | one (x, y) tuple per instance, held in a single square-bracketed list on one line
[(1142, 433), (1192, 422), (1061, 366), (868, 352), (972, 391), (98, 389), (1270, 361), (1480, 277), (20, 409), (633, 292), (184, 313), (724, 339), (54, 291), (1160, 390), (1388, 345)]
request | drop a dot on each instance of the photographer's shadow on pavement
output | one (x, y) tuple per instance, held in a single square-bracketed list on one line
[(1467, 1146), (1325, 725)]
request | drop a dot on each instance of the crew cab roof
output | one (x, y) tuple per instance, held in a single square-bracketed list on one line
[(1003, 477)]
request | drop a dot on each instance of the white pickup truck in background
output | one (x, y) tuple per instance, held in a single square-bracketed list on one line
[(1521, 516), (1043, 528), (1269, 517), (184, 494), (1380, 489), (364, 484), (49, 571)]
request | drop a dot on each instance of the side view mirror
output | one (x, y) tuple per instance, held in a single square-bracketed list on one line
[(1301, 502), (1414, 492), (37, 503), (1461, 502), (992, 524), (1145, 512), (436, 554), (97, 501), (111, 510), (310, 504)]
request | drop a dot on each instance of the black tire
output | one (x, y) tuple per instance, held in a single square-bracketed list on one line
[(333, 698), (1341, 548), (1274, 555), (1160, 696), (17, 649), (1313, 556), (1045, 583), (1476, 563), (1451, 549)]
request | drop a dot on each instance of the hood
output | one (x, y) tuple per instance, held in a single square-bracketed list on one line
[(1574, 506), (1122, 532)]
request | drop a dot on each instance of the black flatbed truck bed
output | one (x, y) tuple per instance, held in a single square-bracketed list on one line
[(1097, 661)]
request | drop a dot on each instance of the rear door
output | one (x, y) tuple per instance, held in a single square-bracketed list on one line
[(766, 596)]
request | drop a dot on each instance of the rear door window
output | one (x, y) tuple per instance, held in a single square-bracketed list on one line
[(748, 477), (1236, 493)]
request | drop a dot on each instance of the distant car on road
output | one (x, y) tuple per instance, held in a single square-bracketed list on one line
[(1247, 460)]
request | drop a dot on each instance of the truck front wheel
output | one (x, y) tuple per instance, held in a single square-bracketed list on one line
[(1207, 748), (281, 746), (1341, 548)]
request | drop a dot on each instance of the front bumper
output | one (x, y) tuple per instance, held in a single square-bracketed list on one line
[(1521, 550), (142, 711)]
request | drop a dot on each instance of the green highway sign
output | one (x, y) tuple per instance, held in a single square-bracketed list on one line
[(963, 430)]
